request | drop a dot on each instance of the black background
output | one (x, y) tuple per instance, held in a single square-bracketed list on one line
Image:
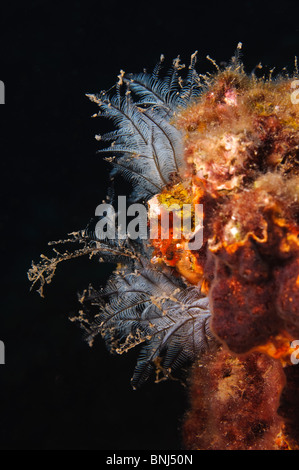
[(55, 391)]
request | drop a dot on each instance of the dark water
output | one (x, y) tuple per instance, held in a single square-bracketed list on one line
[(56, 392)]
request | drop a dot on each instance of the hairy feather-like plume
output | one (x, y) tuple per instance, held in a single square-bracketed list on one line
[(144, 304), (147, 148)]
